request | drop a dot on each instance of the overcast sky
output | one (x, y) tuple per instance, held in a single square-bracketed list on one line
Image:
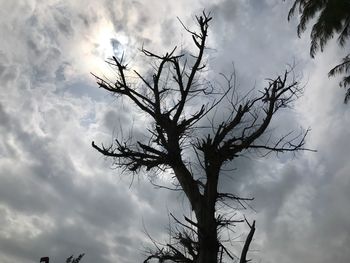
[(60, 197)]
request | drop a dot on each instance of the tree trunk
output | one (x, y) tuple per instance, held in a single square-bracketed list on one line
[(208, 240)]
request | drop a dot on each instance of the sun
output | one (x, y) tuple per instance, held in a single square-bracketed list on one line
[(109, 42), (104, 43)]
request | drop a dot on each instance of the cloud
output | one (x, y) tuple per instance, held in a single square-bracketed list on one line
[(60, 197)]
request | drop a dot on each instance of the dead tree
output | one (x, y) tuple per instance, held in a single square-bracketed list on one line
[(174, 129)]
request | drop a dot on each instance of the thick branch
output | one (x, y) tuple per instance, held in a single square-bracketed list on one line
[(134, 159), (247, 243)]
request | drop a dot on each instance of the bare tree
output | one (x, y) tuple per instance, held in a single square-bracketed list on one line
[(176, 127)]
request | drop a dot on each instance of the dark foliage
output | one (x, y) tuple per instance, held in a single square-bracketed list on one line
[(71, 259), (332, 17)]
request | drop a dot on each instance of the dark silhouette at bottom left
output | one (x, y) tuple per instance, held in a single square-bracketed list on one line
[(71, 259)]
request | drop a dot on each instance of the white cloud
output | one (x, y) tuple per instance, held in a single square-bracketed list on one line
[(59, 197)]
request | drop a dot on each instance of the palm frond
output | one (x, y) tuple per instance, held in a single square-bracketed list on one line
[(341, 68)]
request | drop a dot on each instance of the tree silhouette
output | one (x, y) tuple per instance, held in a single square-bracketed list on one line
[(44, 260), (71, 259), (177, 102), (332, 17)]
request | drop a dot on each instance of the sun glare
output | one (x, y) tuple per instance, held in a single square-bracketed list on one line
[(104, 43)]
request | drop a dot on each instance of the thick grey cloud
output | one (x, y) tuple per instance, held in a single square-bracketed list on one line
[(59, 197)]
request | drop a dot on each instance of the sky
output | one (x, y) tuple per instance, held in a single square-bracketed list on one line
[(59, 197)]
